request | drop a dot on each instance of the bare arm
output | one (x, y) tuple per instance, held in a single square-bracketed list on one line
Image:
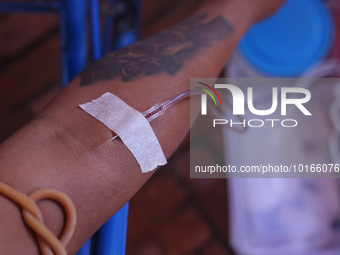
[(66, 149)]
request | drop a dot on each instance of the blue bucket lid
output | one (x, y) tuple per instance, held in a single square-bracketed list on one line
[(295, 38)]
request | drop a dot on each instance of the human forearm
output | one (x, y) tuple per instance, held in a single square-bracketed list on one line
[(66, 149)]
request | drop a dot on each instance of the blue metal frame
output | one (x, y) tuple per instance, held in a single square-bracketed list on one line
[(108, 29), (96, 46), (86, 248), (131, 27), (110, 239), (48, 7), (73, 36)]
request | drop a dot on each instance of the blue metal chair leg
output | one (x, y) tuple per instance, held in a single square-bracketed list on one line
[(73, 36), (110, 239), (73, 40)]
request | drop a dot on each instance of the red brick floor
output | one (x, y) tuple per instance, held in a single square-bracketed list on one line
[(172, 214)]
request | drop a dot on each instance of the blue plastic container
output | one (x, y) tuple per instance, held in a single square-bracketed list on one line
[(298, 36)]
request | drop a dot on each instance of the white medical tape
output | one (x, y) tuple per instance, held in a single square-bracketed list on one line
[(131, 126)]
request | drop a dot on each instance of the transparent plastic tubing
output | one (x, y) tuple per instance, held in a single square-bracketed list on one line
[(159, 108)]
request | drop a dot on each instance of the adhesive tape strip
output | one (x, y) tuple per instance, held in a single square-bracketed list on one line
[(131, 126)]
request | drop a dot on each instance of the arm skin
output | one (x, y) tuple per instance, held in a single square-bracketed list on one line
[(66, 149)]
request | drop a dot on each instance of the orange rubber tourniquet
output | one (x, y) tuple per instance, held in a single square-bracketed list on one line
[(47, 241)]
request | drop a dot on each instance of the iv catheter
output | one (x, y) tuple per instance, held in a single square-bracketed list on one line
[(159, 108)]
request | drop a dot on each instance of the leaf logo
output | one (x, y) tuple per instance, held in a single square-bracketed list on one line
[(209, 93)]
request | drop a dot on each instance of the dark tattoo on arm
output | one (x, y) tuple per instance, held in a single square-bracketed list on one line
[(164, 52)]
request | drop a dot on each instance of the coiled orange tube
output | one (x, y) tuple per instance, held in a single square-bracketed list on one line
[(47, 241)]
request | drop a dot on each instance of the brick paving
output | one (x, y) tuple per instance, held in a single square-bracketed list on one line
[(172, 214)]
